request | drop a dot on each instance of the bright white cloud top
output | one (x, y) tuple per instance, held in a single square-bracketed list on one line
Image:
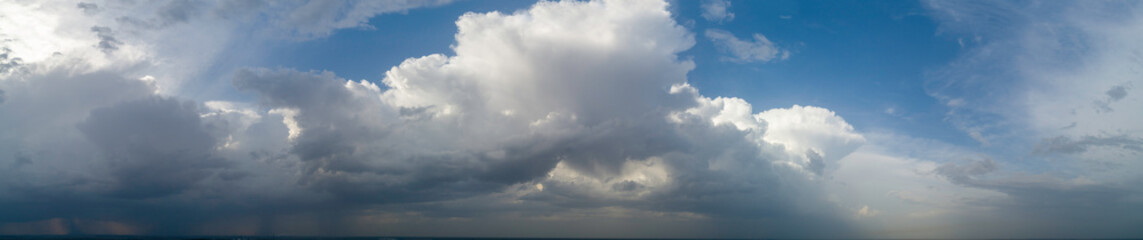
[(564, 119)]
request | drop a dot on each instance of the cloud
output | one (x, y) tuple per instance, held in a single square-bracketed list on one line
[(1064, 144), (7, 65), (88, 8), (54, 165), (153, 37), (156, 147), (865, 211), (1117, 93), (1034, 191), (717, 10), (565, 117), (1049, 84), (963, 173), (746, 51), (893, 175), (300, 20), (107, 42), (818, 133), (1052, 72), (588, 99), (549, 97), (309, 19), (925, 184)]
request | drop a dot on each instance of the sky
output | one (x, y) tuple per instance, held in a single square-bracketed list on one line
[(572, 119)]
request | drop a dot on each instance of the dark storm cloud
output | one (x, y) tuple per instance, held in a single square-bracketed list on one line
[(349, 156), (156, 146), (605, 147), (97, 147), (54, 100), (334, 133)]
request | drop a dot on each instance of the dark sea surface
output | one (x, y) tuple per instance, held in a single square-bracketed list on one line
[(110, 237), (116, 237)]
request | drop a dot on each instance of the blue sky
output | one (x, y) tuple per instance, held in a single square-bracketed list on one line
[(888, 47), (898, 44), (611, 119)]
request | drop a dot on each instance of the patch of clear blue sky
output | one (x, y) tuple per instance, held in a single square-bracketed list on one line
[(857, 58)]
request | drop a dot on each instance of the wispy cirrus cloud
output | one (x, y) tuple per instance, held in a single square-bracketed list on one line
[(759, 49), (717, 11)]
